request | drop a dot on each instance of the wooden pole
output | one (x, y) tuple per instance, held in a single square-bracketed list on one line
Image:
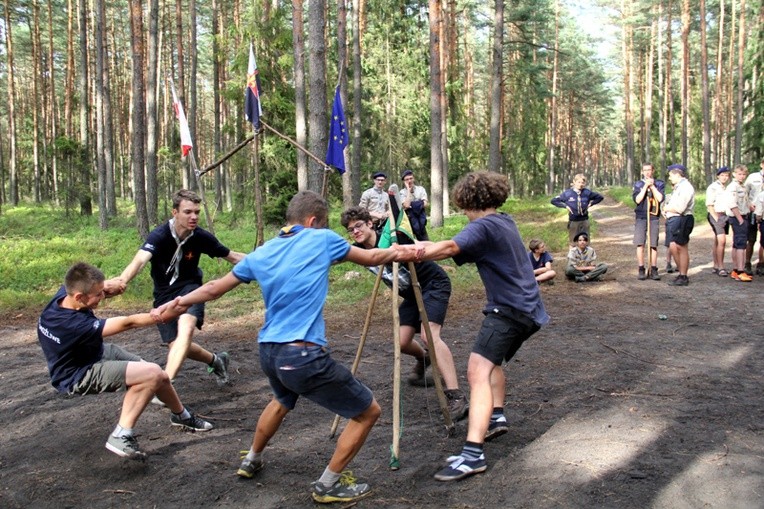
[(258, 196), (362, 342)]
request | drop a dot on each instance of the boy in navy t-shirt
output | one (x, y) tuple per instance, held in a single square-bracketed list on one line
[(79, 361), (541, 261)]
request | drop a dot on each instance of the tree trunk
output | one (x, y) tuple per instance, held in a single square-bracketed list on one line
[(648, 119), (740, 85), (34, 32), (317, 116), (357, 103), (138, 118), (83, 191), (436, 162), (685, 80), (52, 114), (627, 83), (350, 181), (661, 95), (444, 66), (187, 181), (494, 147), (152, 114), (716, 113), (704, 95), (301, 133), (552, 135), (193, 104), (12, 163), (99, 18), (669, 95)]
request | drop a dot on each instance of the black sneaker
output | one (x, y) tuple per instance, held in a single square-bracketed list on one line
[(759, 269), (193, 423), (654, 274), (248, 468), (346, 489), (219, 367), (496, 428), (460, 467), (680, 280), (458, 406), (641, 274), (126, 446), (669, 268)]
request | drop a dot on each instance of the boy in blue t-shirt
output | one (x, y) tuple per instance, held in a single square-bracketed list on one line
[(513, 312), (79, 361), (293, 273)]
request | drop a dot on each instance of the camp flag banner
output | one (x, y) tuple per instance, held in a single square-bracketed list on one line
[(338, 135), (253, 110), (402, 225), (185, 134)]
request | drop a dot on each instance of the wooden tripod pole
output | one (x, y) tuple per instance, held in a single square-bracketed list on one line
[(431, 349), (395, 448), (362, 341)]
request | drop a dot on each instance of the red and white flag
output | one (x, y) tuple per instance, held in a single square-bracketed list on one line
[(185, 133)]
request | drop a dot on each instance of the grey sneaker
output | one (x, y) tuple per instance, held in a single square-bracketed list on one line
[(417, 378), (248, 469), (654, 274), (193, 423), (458, 406), (346, 489), (641, 274), (219, 367), (460, 467), (496, 428), (126, 446)]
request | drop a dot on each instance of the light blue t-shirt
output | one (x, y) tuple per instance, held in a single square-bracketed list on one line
[(293, 273)]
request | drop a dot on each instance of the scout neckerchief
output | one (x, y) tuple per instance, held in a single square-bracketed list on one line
[(288, 231), (175, 262)]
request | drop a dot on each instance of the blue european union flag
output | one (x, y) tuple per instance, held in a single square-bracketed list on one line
[(338, 135)]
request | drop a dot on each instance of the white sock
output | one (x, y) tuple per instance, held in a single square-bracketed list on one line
[(119, 431), (328, 478), (253, 456), (185, 414)]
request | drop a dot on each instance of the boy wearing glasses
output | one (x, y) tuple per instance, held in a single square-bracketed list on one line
[(293, 273), (436, 290), (513, 312)]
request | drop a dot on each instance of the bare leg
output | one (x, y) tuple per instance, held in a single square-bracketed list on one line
[(183, 347), (480, 373), (641, 256), (443, 354), (653, 256), (268, 424), (144, 379), (353, 437)]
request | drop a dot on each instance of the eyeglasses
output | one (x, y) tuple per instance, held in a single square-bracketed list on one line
[(356, 227)]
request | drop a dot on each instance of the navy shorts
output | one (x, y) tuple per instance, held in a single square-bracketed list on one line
[(502, 334), (739, 232), (753, 228), (309, 371), (169, 330), (678, 229), (435, 296), (720, 227)]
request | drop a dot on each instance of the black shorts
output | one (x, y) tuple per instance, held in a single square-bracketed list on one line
[(435, 297), (739, 232), (169, 330), (502, 334), (678, 229), (753, 227)]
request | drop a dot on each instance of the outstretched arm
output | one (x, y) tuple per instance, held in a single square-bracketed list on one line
[(209, 291), (234, 257), (140, 260), (122, 323)]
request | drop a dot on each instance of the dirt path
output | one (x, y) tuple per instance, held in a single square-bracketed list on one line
[(609, 406)]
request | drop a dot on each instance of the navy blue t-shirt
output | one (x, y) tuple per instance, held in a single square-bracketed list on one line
[(162, 246), (542, 261), (71, 340), (494, 245)]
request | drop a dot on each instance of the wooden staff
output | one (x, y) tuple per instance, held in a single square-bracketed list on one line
[(200, 185), (362, 342)]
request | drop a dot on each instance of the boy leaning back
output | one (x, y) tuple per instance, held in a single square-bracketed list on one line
[(513, 312)]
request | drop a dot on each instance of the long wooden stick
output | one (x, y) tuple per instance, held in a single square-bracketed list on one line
[(394, 463), (362, 341), (431, 348), (200, 185), (228, 155)]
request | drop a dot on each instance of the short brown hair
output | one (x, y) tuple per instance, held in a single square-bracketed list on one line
[(81, 277), (481, 191), (354, 214), (184, 194), (535, 244), (306, 204)]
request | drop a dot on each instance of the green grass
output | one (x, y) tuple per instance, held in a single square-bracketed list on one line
[(39, 243), (623, 194)]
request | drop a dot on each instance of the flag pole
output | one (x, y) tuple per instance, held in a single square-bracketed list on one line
[(258, 194), (200, 185)]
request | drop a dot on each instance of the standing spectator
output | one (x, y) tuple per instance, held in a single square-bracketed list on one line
[(680, 221), (716, 204), (375, 200), (738, 216), (754, 185), (577, 200), (648, 195), (174, 250), (414, 201), (541, 261), (582, 261), (758, 213)]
